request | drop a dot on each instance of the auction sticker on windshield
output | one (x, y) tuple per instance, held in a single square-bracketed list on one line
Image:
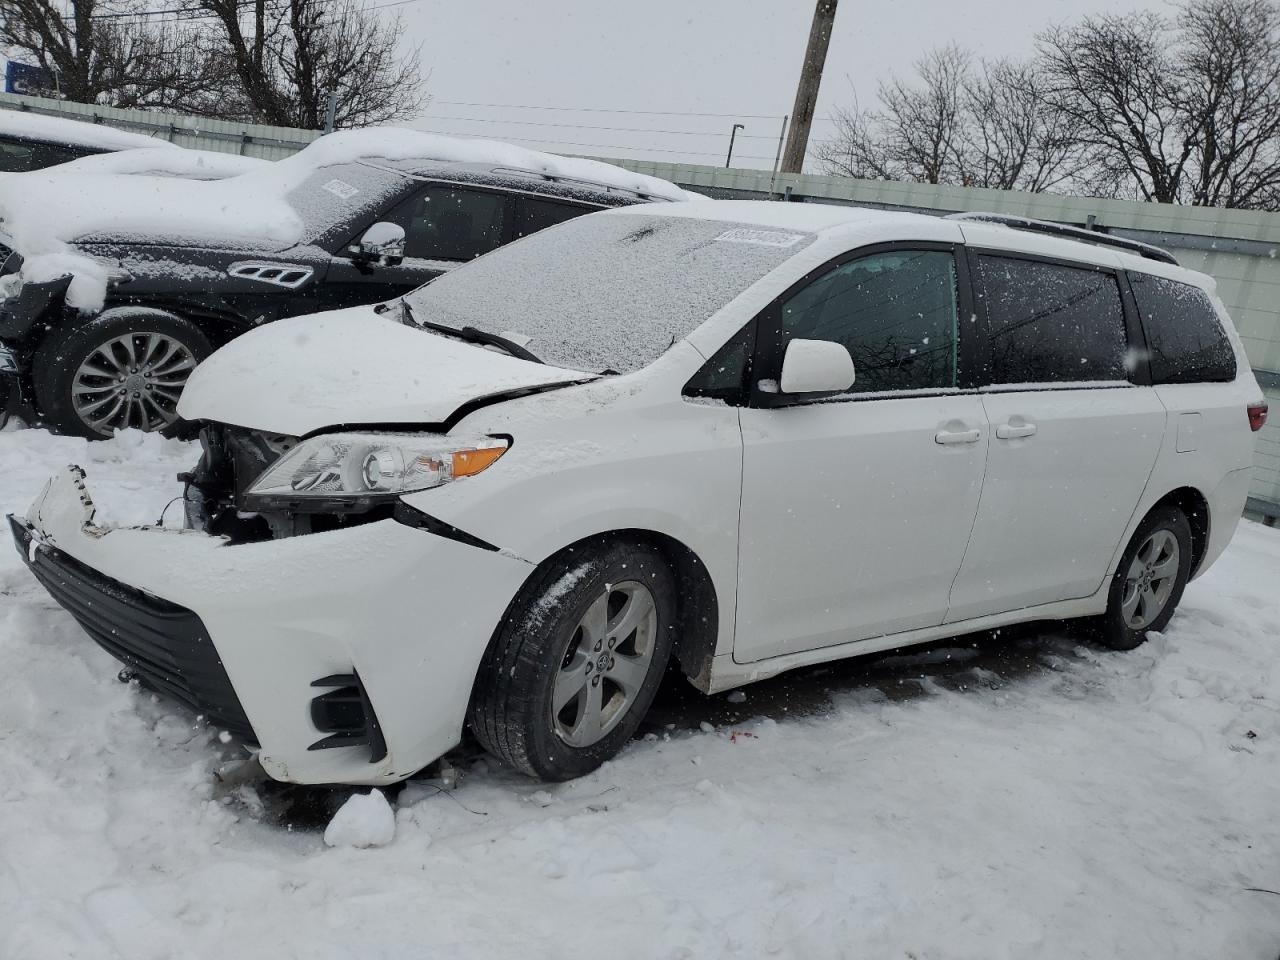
[(764, 238), (341, 189)]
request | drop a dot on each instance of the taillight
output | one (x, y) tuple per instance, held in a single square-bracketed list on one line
[(1257, 416)]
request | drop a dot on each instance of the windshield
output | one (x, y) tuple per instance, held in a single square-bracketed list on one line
[(330, 198), (606, 292)]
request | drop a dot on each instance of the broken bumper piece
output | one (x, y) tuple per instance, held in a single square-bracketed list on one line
[(348, 656)]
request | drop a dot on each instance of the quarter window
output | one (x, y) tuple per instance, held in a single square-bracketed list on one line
[(1048, 323), (895, 312), (1185, 337), (447, 223), (535, 215)]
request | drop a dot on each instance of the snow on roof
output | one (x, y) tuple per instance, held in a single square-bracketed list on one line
[(42, 210), (151, 161), (399, 143), (35, 126)]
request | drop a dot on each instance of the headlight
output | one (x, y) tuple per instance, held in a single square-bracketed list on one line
[(373, 466), (10, 286)]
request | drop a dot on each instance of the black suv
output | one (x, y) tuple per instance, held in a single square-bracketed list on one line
[(372, 229)]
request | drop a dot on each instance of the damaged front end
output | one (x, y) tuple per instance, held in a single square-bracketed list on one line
[(217, 497)]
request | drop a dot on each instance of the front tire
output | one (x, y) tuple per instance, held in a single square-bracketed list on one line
[(1149, 580), (575, 664), (124, 368)]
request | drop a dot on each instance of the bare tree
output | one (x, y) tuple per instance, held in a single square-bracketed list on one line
[(115, 56), (287, 56), (1229, 58), (1015, 139), (1115, 78), (987, 126)]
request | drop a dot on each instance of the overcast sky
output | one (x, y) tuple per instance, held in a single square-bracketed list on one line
[(680, 57)]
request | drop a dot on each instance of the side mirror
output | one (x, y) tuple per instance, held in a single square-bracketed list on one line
[(382, 243), (816, 366)]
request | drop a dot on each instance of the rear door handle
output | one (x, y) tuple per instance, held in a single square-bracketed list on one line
[(1014, 431), (950, 437)]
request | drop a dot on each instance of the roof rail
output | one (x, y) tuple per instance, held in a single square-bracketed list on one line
[(1070, 233), (578, 181)]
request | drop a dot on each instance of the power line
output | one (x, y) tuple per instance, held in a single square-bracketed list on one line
[(584, 126), (606, 146), (651, 113)]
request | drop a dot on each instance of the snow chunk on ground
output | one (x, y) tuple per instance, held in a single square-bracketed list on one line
[(365, 820)]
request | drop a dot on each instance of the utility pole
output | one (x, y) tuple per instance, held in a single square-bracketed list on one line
[(815, 57), (732, 133), (331, 111)]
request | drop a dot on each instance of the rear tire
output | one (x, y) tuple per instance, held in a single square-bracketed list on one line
[(124, 368), (576, 662), (1149, 580)]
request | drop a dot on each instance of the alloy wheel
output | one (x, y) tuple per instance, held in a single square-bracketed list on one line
[(1150, 579), (132, 380), (605, 664)]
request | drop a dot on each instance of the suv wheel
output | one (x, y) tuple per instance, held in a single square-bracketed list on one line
[(574, 666), (125, 368), (1149, 580)]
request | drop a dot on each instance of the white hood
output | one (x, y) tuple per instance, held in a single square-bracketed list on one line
[(350, 367)]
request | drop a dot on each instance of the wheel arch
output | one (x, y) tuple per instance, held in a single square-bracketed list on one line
[(220, 325), (697, 602), (1195, 507)]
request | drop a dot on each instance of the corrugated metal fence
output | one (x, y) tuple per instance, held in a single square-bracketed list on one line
[(1240, 248), (224, 136)]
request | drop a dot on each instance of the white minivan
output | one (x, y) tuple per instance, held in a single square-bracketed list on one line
[(741, 436)]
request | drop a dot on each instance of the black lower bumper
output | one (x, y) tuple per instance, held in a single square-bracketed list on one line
[(164, 645)]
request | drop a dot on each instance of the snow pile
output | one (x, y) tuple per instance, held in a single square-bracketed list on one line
[(365, 820), (34, 126), (156, 162), (1058, 801)]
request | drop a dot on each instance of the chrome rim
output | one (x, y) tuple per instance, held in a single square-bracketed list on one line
[(605, 664), (132, 381), (1149, 581)]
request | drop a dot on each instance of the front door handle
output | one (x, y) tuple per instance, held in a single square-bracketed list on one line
[(1015, 431), (950, 437)]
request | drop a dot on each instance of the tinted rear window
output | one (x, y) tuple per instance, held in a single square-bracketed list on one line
[(1049, 323), (1186, 340)]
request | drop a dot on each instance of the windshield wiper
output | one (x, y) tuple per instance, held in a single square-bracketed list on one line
[(471, 335)]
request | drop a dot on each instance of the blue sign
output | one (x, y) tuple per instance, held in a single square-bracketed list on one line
[(29, 80)]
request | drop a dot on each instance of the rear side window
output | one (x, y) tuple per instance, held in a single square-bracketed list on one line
[(1186, 340), (896, 312), (533, 215), (1048, 323)]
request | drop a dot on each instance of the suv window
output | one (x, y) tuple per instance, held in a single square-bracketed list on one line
[(17, 156), (20, 156), (896, 312), (533, 214), (453, 223), (1049, 323), (1184, 335)]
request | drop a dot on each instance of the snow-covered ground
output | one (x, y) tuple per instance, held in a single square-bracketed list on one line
[(1087, 804)]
